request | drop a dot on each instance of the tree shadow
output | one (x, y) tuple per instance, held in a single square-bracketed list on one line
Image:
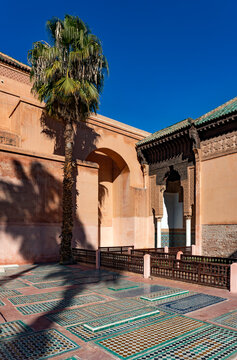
[(31, 212), (34, 199), (85, 138)]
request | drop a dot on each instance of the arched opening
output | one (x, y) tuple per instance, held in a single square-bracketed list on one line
[(113, 198), (173, 229)]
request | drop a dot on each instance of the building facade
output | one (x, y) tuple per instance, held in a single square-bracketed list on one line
[(193, 181), (173, 188)]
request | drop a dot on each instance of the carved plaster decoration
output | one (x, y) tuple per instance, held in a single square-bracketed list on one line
[(193, 134), (141, 157), (7, 138), (220, 145)]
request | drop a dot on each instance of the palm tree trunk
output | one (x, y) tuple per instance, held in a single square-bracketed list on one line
[(67, 221)]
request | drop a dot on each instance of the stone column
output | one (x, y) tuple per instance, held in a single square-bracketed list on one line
[(233, 278), (147, 266), (188, 230), (158, 219)]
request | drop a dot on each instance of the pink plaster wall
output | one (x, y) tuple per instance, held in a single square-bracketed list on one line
[(30, 206)]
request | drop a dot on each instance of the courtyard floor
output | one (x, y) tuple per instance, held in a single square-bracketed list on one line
[(77, 312)]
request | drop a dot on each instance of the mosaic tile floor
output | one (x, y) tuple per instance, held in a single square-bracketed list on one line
[(6, 293), (165, 293), (144, 289), (52, 284), (2, 303), (88, 335), (210, 343), (12, 284), (117, 319), (36, 345), (58, 304), (12, 328), (228, 319), (168, 335), (136, 341), (87, 313), (28, 299), (191, 303)]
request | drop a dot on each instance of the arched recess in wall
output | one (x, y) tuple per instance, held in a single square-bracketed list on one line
[(173, 228), (115, 225)]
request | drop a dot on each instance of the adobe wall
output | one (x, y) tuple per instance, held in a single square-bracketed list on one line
[(218, 201), (24, 128), (30, 206)]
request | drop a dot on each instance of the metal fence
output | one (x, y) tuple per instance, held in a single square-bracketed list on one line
[(209, 274), (122, 261), (85, 256)]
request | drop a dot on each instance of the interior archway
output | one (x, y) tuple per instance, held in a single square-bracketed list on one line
[(173, 228), (113, 197)]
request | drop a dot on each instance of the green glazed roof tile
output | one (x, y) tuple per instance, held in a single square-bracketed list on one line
[(225, 109), (166, 131)]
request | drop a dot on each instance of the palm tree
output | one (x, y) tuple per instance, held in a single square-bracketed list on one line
[(68, 76)]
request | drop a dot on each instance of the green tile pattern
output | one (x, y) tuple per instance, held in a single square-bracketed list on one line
[(135, 342), (170, 299), (12, 284), (123, 285), (117, 319), (191, 303), (87, 335), (1, 303), (6, 293), (28, 299), (12, 328), (59, 304), (163, 294), (228, 319), (91, 312), (52, 284), (36, 346), (210, 343)]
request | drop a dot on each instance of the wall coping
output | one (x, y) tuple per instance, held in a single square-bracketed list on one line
[(57, 158)]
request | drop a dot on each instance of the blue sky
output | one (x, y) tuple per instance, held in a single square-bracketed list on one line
[(168, 59)]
